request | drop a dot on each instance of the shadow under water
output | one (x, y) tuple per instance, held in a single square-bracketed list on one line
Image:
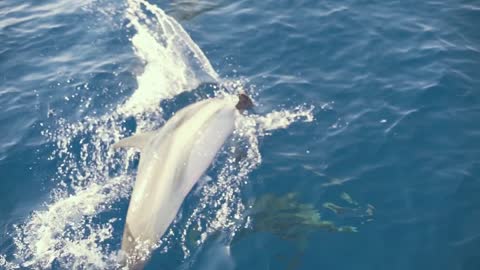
[(289, 219), (185, 10)]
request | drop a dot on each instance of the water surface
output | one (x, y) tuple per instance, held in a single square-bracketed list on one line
[(375, 99)]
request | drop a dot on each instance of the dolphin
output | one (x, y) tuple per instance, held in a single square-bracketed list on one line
[(172, 159)]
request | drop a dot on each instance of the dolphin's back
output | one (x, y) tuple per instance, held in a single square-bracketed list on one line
[(208, 143), (172, 160)]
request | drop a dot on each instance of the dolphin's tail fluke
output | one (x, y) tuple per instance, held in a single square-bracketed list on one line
[(128, 264), (137, 265), (133, 258)]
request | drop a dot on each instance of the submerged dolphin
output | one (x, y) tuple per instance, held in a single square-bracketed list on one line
[(172, 159)]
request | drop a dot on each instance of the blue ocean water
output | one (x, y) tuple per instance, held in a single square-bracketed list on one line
[(392, 149)]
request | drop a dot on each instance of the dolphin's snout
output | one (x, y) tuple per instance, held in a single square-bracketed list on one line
[(244, 102)]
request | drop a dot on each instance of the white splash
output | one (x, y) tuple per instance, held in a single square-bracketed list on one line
[(66, 230), (173, 62), (283, 118)]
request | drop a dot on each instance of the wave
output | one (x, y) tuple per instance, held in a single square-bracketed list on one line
[(78, 227)]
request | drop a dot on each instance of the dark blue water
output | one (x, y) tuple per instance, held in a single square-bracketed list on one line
[(393, 85)]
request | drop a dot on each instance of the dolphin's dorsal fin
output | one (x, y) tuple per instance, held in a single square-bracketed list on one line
[(138, 141)]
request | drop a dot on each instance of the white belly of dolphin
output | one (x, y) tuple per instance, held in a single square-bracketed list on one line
[(172, 160)]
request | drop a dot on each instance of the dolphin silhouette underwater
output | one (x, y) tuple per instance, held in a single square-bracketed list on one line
[(172, 159)]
